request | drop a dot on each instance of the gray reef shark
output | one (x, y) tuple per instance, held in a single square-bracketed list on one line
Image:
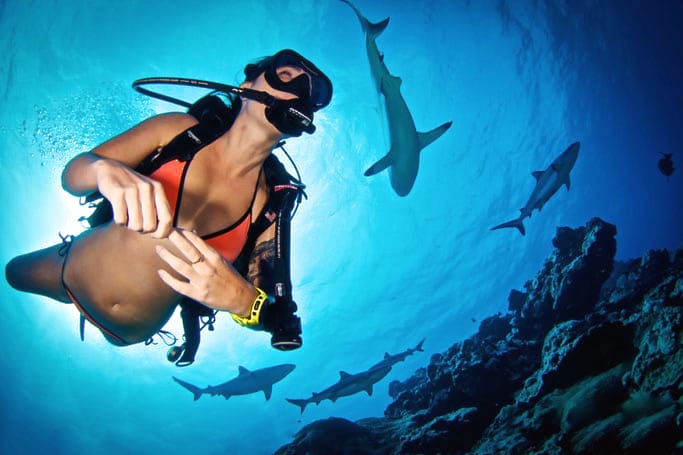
[(403, 158), (245, 383), (547, 184), (350, 384), (391, 360)]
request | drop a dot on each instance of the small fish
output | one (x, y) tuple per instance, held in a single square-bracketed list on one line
[(666, 164)]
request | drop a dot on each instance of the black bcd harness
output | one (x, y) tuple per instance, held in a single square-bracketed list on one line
[(286, 191)]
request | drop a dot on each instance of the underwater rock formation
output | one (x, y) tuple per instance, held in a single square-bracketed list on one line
[(589, 359)]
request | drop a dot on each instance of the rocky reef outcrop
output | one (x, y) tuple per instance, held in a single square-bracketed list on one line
[(588, 360)]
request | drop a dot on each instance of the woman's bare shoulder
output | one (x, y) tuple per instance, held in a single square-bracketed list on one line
[(131, 146), (170, 122)]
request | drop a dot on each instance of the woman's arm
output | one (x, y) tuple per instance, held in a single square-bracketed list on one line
[(260, 271), (138, 202), (205, 275), (211, 280), (128, 148)]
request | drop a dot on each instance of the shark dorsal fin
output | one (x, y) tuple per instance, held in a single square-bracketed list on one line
[(537, 175), (343, 375), (389, 81), (243, 371), (386, 355)]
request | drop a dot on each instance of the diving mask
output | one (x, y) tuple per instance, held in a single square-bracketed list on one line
[(312, 86)]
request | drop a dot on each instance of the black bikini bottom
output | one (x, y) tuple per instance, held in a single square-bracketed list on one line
[(108, 334)]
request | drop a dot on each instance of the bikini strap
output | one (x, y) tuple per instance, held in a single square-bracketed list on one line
[(253, 197), (63, 251)]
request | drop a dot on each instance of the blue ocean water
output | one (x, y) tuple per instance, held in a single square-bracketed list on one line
[(372, 272)]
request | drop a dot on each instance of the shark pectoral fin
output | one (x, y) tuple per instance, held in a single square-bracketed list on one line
[(268, 391), (379, 166), (537, 175), (430, 136)]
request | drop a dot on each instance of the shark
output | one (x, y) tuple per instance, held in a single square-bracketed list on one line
[(391, 360), (403, 158), (547, 183), (350, 384), (245, 383)]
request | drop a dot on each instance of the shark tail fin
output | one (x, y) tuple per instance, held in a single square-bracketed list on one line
[(514, 223), (196, 391), (301, 403), (376, 29), (373, 29), (430, 136)]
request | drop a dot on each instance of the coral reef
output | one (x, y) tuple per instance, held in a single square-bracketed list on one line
[(589, 359)]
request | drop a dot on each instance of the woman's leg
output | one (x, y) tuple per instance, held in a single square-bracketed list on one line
[(39, 272)]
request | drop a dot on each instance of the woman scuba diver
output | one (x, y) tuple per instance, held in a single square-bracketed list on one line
[(178, 232)]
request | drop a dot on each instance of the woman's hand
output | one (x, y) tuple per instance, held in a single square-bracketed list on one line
[(209, 279), (138, 202)]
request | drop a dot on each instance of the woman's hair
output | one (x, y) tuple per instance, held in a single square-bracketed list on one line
[(234, 102), (252, 70)]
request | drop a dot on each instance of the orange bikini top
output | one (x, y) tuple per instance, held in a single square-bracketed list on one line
[(229, 241)]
